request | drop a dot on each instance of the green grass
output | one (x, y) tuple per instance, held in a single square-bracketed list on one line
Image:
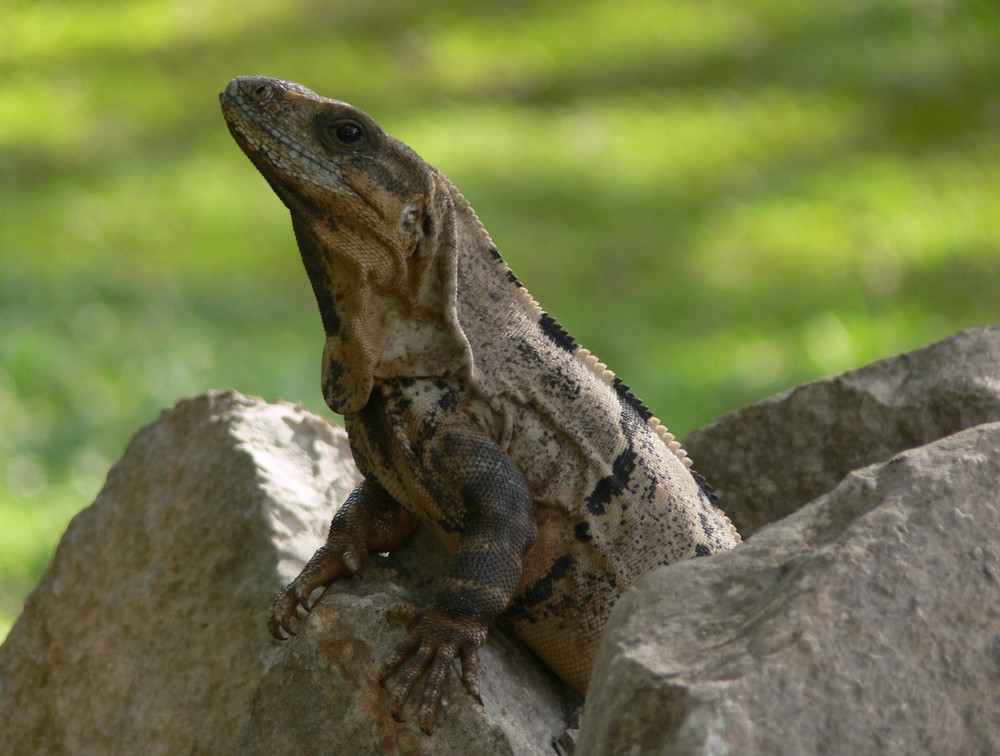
[(721, 199)]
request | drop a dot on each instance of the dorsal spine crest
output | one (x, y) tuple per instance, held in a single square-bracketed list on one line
[(584, 355)]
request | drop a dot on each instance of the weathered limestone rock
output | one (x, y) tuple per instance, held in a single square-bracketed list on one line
[(147, 634), (867, 622), (770, 458)]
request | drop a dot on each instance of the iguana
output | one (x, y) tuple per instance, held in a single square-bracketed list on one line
[(469, 409)]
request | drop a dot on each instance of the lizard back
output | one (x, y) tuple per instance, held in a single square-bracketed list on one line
[(612, 489)]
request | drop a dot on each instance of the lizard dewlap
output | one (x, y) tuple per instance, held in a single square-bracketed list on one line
[(468, 408)]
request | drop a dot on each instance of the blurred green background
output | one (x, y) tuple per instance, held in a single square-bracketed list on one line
[(721, 199)]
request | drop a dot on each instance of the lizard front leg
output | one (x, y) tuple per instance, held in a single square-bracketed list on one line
[(474, 477), (370, 520)]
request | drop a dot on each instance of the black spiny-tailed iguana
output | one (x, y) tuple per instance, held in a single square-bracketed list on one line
[(468, 408)]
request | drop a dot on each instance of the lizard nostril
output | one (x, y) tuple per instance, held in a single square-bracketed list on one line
[(261, 91)]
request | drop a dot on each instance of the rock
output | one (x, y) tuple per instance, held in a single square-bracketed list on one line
[(867, 622), (322, 693), (770, 458), (148, 634)]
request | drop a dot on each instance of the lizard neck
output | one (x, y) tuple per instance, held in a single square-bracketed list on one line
[(480, 262), (484, 271)]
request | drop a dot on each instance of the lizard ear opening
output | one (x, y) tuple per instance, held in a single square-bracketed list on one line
[(413, 213)]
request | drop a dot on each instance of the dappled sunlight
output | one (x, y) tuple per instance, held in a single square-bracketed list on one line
[(720, 199), (874, 216), (702, 141), (48, 31)]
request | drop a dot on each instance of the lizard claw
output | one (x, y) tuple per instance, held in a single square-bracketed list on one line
[(470, 671), (303, 600), (283, 610), (352, 561), (326, 565)]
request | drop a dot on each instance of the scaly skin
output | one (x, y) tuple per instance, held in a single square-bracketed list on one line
[(467, 407)]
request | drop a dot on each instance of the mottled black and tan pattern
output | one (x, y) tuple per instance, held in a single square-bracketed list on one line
[(467, 406)]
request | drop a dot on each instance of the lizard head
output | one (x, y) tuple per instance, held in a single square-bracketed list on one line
[(376, 228), (330, 163)]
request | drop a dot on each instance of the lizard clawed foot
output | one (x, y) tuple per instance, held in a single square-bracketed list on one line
[(285, 609), (327, 564), (436, 642)]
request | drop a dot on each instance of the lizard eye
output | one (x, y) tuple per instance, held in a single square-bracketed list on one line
[(342, 133), (348, 133)]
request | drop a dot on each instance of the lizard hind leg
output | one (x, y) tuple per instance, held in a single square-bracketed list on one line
[(370, 520)]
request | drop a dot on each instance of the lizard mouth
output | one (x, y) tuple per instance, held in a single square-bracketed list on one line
[(273, 122)]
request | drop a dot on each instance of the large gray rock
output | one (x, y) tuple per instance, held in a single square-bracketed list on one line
[(867, 622), (147, 634), (768, 459)]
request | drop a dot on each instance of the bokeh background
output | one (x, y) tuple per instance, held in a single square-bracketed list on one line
[(720, 198)]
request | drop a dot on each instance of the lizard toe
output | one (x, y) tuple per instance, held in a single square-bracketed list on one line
[(469, 655), (283, 611), (407, 675), (433, 688)]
